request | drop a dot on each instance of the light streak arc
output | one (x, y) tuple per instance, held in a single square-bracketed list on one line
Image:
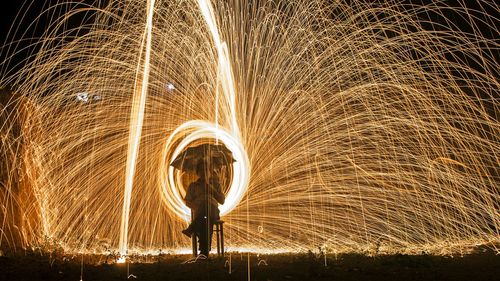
[(196, 130), (136, 122)]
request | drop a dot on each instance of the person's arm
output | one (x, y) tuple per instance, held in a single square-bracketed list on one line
[(216, 191), (189, 199)]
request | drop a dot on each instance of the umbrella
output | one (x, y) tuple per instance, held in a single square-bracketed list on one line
[(217, 155)]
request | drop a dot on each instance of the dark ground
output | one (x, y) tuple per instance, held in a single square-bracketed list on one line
[(482, 265)]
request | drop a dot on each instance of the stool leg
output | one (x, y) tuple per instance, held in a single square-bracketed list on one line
[(222, 239), (194, 244), (218, 240)]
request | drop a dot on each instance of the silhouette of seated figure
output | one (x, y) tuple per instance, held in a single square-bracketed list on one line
[(203, 197)]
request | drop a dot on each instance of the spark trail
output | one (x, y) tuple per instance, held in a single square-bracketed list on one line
[(136, 122), (357, 125), (196, 130)]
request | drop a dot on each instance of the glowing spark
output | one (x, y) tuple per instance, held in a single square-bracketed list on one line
[(84, 97), (170, 87)]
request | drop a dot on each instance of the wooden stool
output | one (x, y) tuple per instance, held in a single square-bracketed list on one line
[(219, 232)]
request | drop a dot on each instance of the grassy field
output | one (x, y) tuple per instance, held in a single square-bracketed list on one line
[(482, 265)]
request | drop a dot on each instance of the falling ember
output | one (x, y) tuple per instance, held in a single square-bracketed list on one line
[(355, 125)]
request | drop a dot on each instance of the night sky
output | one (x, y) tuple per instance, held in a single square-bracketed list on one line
[(19, 21), (13, 10)]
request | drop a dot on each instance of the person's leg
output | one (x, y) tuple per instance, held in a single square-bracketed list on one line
[(202, 238), (205, 238)]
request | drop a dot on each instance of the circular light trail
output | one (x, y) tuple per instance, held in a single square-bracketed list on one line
[(192, 131)]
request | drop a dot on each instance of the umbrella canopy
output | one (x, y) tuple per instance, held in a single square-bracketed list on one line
[(215, 155)]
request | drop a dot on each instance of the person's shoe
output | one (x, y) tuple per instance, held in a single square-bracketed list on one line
[(187, 232)]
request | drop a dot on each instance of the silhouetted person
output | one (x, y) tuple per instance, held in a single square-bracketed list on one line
[(203, 197)]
